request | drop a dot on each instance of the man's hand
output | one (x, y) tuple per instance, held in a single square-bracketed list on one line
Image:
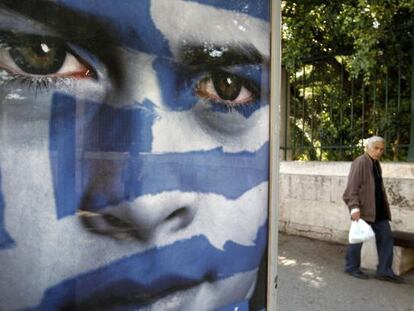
[(355, 215)]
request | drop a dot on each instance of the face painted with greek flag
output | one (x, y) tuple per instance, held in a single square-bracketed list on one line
[(134, 153)]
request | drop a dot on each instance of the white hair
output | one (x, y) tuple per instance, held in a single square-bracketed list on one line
[(369, 142)]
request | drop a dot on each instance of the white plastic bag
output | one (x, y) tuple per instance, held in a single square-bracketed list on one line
[(360, 231)]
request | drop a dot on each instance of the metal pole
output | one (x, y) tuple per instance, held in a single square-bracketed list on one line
[(341, 112), (386, 111), (294, 142), (352, 110), (287, 113), (410, 156), (363, 116), (374, 107), (275, 92), (302, 140), (397, 145)]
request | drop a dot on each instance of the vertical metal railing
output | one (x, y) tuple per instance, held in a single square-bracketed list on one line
[(386, 108), (294, 132), (410, 156), (329, 118), (302, 136)]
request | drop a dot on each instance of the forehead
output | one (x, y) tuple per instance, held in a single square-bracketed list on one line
[(163, 26), (378, 144)]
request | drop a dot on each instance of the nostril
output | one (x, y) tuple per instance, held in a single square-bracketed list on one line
[(106, 224), (115, 221), (180, 218), (179, 213)]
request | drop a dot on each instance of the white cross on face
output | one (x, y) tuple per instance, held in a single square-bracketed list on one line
[(133, 167)]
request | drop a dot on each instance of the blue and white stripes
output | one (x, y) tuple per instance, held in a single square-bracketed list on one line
[(151, 193)]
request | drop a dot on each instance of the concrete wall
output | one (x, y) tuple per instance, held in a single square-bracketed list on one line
[(311, 198)]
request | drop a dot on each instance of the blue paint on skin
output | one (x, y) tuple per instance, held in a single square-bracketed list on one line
[(213, 171), (239, 306), (62, 153), (106, 130), (136, 171), (155, 272), (118, 129), (256, 8), (178, 90), (245, 110), (5, 240), (130, 20)]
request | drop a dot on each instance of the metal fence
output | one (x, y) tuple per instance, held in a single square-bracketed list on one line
[(328, 113)]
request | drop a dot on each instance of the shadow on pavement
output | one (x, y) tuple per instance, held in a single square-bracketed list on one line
[(311, 278)]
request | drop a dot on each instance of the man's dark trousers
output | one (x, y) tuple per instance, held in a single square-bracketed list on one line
[(384, 241)]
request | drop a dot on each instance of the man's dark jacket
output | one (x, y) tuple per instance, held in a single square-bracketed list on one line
[(360, 190)]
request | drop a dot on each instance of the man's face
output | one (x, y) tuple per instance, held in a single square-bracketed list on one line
[(376, 150), (134, 158)]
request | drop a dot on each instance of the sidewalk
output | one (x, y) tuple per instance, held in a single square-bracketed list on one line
[(311, 278)]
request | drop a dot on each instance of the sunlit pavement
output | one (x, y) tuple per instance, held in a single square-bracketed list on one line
[(311, 278)]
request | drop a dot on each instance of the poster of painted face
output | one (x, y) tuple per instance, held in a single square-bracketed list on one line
[(134, 141)]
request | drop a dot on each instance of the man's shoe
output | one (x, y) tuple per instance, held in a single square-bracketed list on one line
[(391, 278), (358, 274)]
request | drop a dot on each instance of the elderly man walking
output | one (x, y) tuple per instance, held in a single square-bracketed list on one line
[(366, 198)]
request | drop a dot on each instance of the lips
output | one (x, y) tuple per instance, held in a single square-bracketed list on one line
[(128, 293), (145, 278), (135, 281)]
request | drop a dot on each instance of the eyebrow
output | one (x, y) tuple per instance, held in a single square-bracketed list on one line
[(81, 29), (219, 55)]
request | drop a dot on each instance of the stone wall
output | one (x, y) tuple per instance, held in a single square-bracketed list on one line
[(311, 198)]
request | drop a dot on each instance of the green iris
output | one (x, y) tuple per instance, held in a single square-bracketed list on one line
[(38, 55)]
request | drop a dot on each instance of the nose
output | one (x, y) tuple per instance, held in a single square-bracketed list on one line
[(146, 218), (153, 217), (134, 196)]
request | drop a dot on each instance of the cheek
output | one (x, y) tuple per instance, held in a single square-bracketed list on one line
[(25, 166), (25, 123), (204, 129), (241, 221)]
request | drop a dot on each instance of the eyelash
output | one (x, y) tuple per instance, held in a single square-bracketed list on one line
[(32, 48), (35, 83), (26, 53), (207, 85)]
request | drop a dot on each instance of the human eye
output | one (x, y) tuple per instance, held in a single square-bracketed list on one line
[(40, 60), (227, 88)]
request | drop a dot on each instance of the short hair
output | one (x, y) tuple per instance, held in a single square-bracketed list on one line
[(374, 139)]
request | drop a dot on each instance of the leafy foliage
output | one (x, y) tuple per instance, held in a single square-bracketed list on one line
[(350, 73)]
